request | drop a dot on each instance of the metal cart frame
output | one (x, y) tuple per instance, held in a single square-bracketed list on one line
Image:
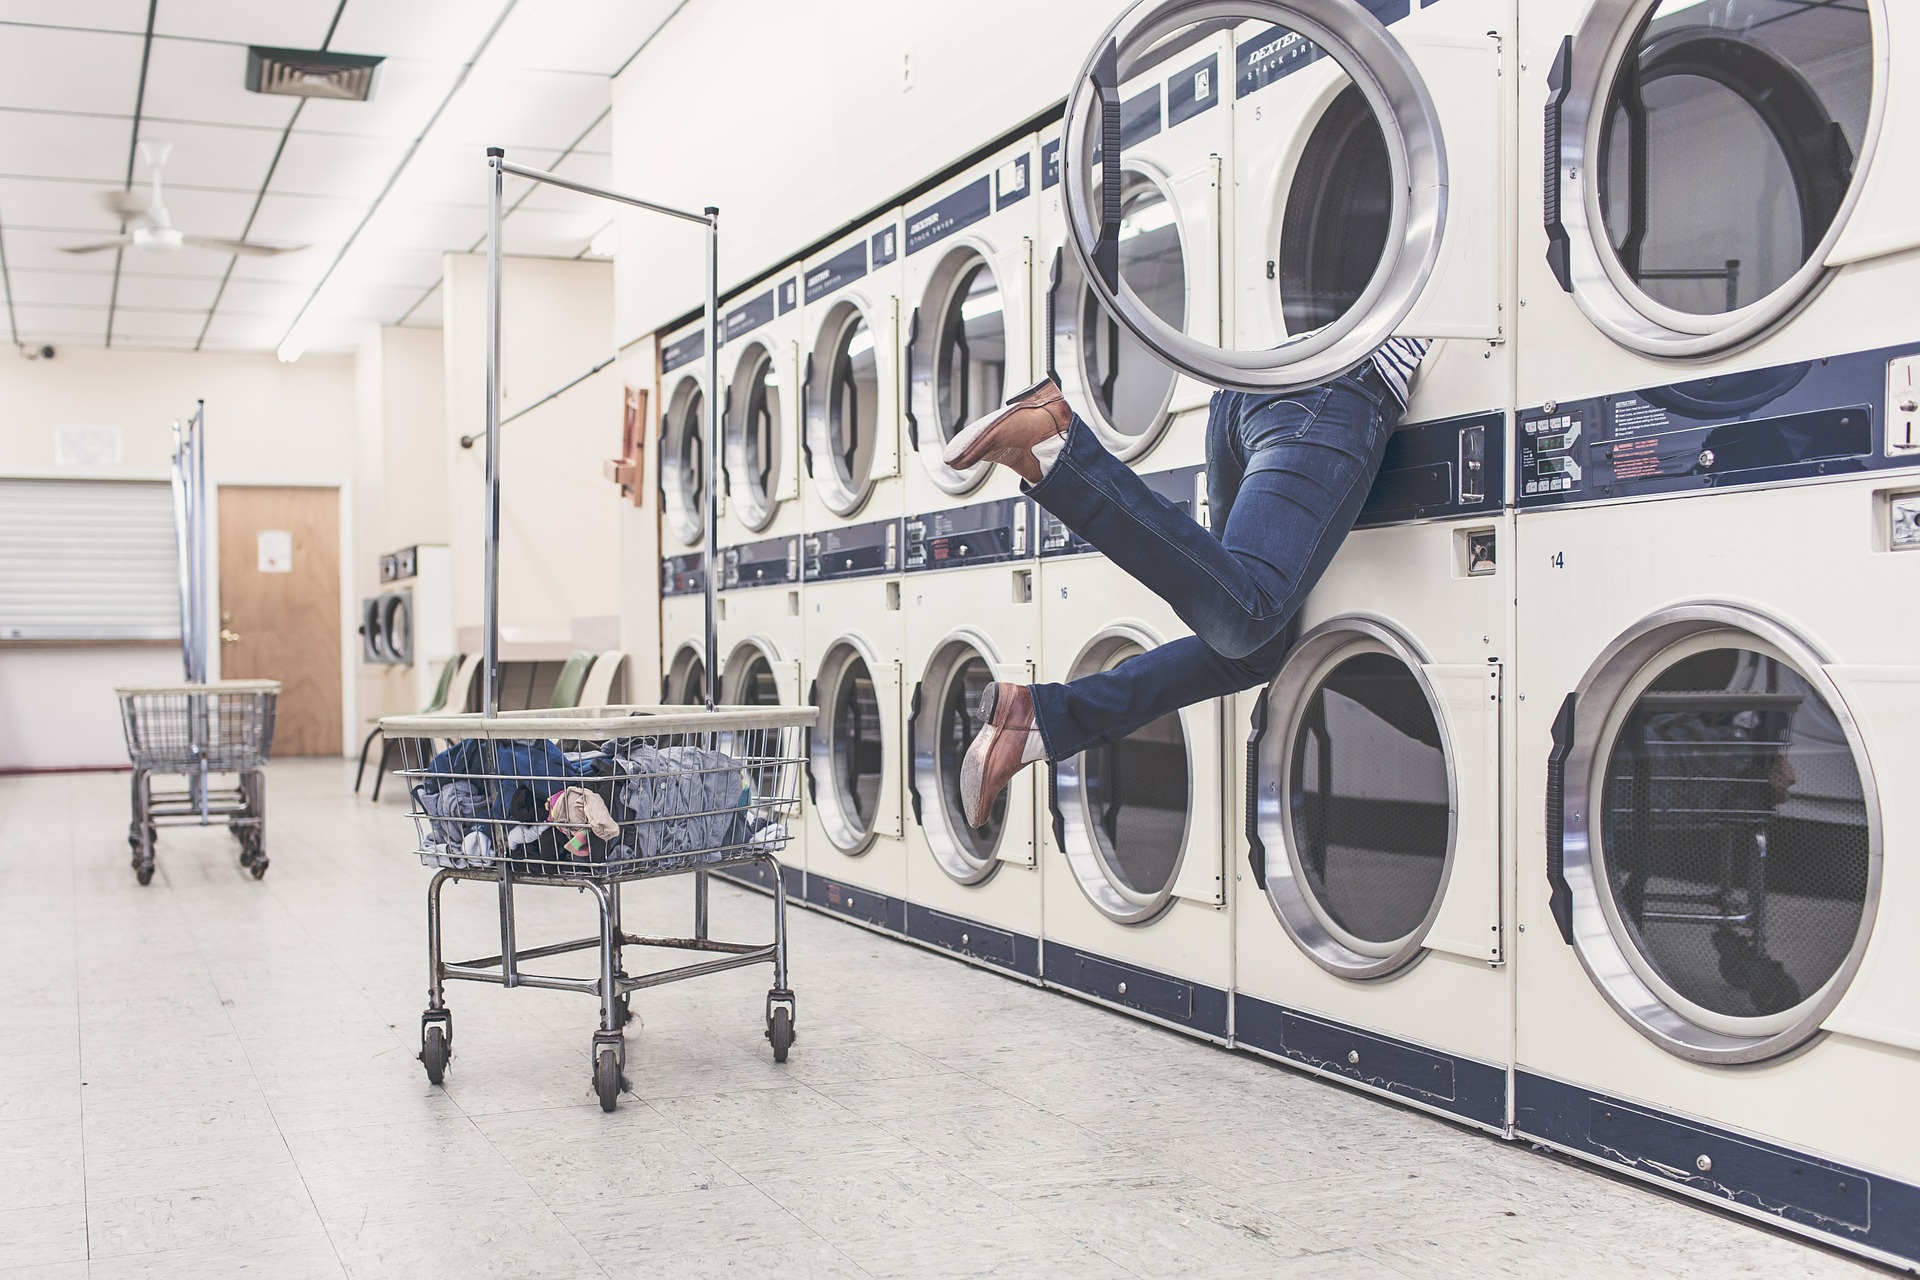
[(203, 732)]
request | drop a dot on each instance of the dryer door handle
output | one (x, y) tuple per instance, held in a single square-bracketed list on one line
[(1256, 845), (806, 415), (1053, 311), (913, 739), (1106, 81), (1560, 895), (913, 421), (1559, 248)]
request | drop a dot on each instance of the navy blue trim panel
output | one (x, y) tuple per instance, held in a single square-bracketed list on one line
[(1179, 486), (997, 532), (746, 317), (1277, 53), (1764, 1180), (1761, 426), (1472, 1090), (683, 575), (857, 551), (683, 351), (754, 875), (1193, 90), (841, 269), (986, 944), (771, 562), (1012, 182), (1192, 1005), (951, 214), (1440, 470), (866, 905)]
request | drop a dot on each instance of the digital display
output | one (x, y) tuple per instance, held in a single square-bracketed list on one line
[(1554, 444), (1555, 466)]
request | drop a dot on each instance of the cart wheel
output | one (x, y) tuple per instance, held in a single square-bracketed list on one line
[(780, 1032), (606, 1078), (258, 866), (434, 1053), (143, 874), (247, 854), (1773, 991)]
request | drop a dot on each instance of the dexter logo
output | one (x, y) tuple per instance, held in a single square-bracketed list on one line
[(1266, 51)]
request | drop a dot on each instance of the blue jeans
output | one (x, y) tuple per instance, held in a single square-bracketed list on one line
[(1286, 478)]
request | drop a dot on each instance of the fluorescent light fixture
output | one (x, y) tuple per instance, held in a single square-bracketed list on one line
[(604, 241), (1155, 215)]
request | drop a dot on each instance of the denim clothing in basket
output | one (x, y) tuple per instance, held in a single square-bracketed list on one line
[(1286, 478)]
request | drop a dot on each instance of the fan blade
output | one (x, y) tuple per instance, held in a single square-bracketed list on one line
[(120, 243), (125, 205), (251, 247)]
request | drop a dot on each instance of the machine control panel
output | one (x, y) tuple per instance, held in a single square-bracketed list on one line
[(1439, 470), (1185, 487), (1843, 415), (772, 562), (683, 575), (983, 533), (857, 551)]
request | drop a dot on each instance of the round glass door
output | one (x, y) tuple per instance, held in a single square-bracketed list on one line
[(753, 432), (686, 683), (1350, 225), (1353, 800), (1124, 806), (748, 679), (946, 721), (844, 413), (1726, 139), (959, 369), (683, 463), (1728, 836), (849, 748)]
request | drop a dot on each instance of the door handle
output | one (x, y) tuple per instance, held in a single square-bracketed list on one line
[(229, 637)]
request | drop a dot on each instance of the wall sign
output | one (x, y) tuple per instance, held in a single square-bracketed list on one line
[(276, 551)]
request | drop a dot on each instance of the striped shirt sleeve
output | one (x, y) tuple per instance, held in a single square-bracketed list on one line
[(1397, 360)]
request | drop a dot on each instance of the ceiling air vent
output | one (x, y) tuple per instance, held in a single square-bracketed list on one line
[(310, 73)]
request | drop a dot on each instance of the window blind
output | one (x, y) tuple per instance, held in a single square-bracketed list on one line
[(88, 560)]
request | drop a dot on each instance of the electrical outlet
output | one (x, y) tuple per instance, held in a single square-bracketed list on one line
[(1903, 406)]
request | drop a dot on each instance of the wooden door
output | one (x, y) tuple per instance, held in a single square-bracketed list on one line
[(280, 607)]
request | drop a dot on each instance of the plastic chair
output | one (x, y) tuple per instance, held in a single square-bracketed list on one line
[(573, 678), (456, 683), (598, 689)]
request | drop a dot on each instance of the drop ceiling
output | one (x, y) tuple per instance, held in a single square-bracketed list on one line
[(377, 191)]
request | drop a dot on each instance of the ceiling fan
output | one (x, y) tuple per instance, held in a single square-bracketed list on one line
[(151, 227)]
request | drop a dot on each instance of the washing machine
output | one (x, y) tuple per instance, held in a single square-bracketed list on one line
[(970, 339), (683, 630), (850, 385), (1717, 491), (682, 451), (761, 632), (856, 864), (761, 413), (971, 619), (1175, 171), (1134, 889)]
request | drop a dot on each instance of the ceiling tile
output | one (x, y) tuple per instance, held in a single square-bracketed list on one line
[(245, 332), (171, 293), (72, 323), (428, 312), (437, 227), (207, 213), (552, 235), (456, 173), (195, 80), (288, 24), (501, 106), (35, 145), (57, 70), (406, 93), (306, 266), (431, 30), (325, 164), (590, 169), (306, 219), (599, 140), (142, 343), (129, 323), (101, 15), (278, 299), (595, 36), (41, 250), (31, 202), (63, 288), (419, 268), (212, 155)]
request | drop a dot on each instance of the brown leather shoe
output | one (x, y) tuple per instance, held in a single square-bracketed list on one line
[(1008, 436), (995, 756)]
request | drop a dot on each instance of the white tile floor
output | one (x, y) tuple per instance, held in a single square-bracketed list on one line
[(213, 1076)]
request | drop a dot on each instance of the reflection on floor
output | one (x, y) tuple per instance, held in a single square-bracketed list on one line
[(212, 1072)]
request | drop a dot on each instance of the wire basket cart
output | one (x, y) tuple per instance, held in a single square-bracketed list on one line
[(217, 737), (590, 800)]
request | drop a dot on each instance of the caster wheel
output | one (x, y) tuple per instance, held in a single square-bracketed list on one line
[(434, 1052), (247, 856), (258, 866), (780, 1032), (143, 874), (606, 1078), (1772, 990)]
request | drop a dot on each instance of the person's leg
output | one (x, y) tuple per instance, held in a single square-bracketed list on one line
[(1309, 462), (1109, 705)]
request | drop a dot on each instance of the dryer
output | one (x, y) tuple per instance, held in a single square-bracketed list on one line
[(683, 630), (682, 452), (1133, 886), (761, 413), (850, 378), (1176, 164), (855, 845), (970, 339), (971, 619)]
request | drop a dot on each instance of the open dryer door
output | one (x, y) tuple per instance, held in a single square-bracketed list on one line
[(1341, 180)]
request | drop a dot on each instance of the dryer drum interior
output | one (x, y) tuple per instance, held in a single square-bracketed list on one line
[(753, 444), (686, 682), (1732, 838), (396, 627), (1339, 213), (1353, 800), (846, 412), (945, 723), (683, 463), (960, 353), (849, 749), (1125, 806), (748, 679), (373, 640)]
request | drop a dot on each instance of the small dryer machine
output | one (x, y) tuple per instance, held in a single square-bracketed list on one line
[(850, 378), (682, 450), (1134, 894), (761, 413), (970, 340), (683, 630), (855, 844), (971, 620)]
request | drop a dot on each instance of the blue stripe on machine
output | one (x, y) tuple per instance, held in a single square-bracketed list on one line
[(747, 317), (1013, 181), (955, 212), (1277, 52), (842, 268), (1194, 90), (683, 350)]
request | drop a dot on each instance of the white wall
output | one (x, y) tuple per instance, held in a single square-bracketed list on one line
[(267, 423), (811, 120)]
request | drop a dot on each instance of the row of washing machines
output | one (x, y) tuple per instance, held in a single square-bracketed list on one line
[(1584, 808)]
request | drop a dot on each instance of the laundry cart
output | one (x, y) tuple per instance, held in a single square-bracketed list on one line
[(216, 737), (590, 800)]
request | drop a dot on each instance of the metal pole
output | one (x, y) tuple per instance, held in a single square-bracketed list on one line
[(713, 453), (491, 624), (200, 541)]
